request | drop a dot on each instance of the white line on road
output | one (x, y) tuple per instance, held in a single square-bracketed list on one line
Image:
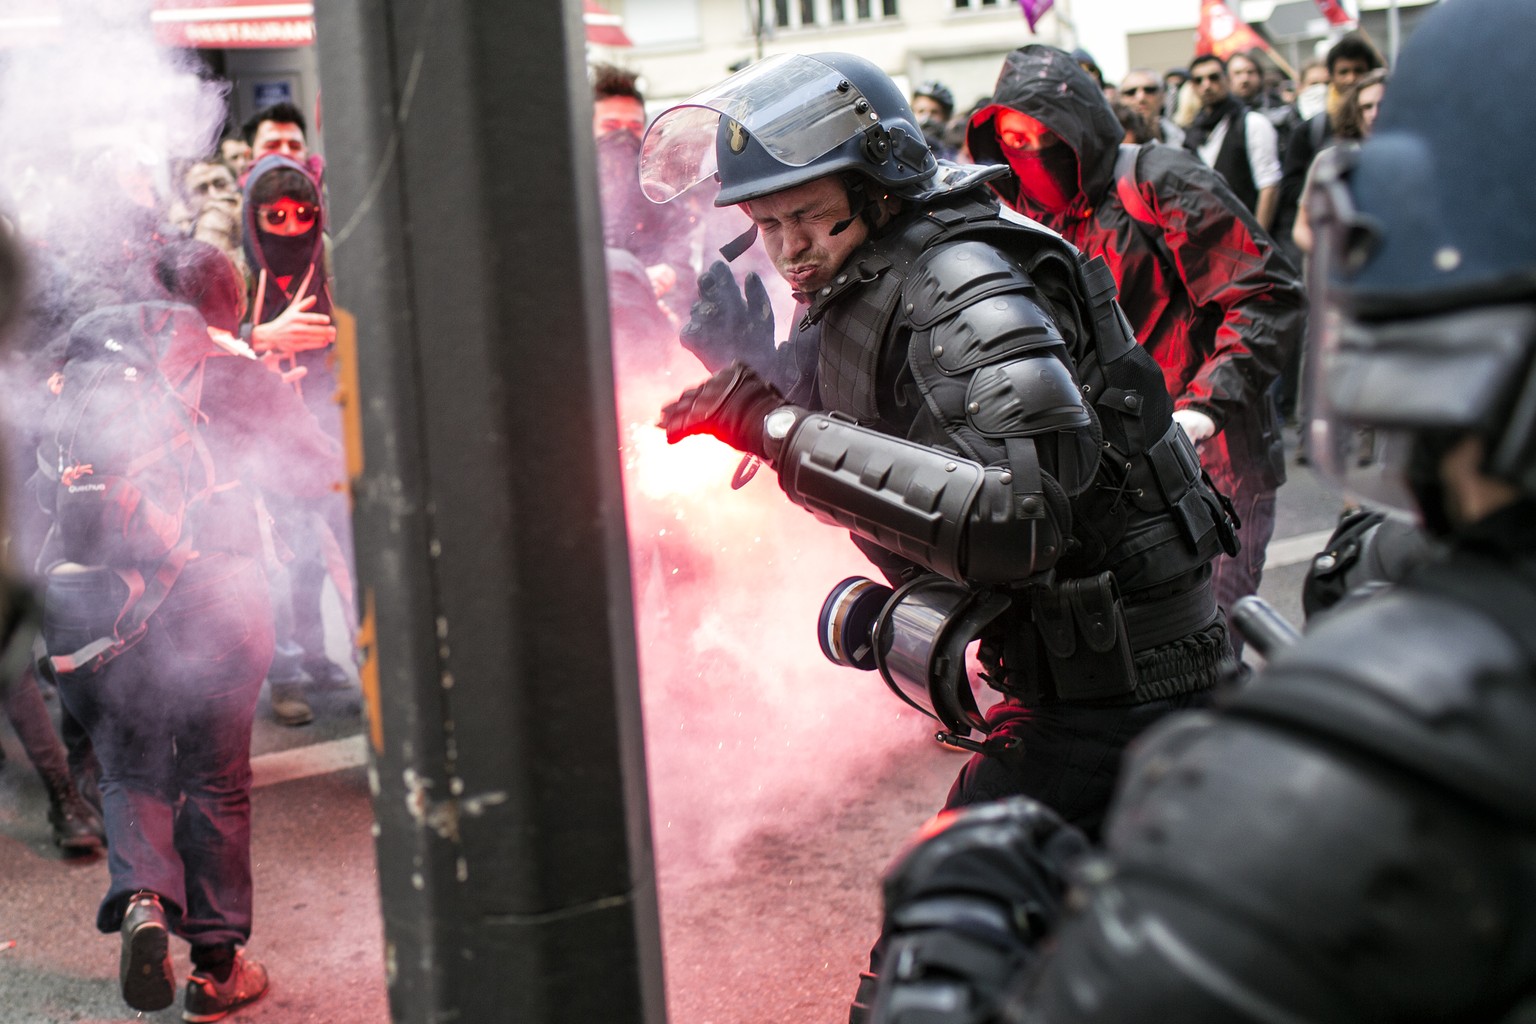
[(1294, 550), (315, 759)]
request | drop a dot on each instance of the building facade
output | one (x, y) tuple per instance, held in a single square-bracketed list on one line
[(681, 46)]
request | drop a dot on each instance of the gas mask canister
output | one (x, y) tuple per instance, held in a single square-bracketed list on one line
[(916, 638)]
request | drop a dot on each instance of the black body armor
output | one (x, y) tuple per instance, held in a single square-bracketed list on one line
[(986, 413)]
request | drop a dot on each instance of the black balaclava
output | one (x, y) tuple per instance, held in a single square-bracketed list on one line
[(1047, 177)]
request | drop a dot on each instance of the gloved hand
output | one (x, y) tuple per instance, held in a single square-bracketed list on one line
[(722, 325), (730, 405), (1197, 425)]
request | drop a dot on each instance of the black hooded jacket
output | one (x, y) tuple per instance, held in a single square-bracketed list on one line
[(1206, 290)]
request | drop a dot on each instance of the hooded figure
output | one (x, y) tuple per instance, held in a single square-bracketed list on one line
[(285, 248), (284, 226), (1206, 290)]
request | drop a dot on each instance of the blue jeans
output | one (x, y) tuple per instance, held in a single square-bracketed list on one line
[(170, 719)]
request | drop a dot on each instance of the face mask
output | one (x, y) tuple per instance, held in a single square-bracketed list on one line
[(1047, 177)]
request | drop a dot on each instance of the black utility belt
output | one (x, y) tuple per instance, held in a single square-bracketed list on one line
[(1085, 639)]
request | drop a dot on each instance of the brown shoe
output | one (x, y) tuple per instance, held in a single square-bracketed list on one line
[(210, 999), (289, 705)]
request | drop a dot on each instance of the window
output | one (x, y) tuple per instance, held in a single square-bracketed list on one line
[(792, 14), (975, 5)]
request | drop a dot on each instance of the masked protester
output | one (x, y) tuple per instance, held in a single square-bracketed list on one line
[(963, 396), (285, 250), (1349, 839), (1208, 294)]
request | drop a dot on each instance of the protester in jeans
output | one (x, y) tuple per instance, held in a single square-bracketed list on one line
[(171, 716)]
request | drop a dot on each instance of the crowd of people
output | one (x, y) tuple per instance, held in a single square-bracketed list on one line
[(1041, 355), (174, 427)]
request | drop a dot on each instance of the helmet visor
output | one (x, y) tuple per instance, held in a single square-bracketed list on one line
[(794, 106)]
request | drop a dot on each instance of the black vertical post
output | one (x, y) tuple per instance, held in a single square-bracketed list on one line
[(513, 834)]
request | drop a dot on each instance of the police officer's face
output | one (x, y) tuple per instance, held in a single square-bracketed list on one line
[(796, 228)]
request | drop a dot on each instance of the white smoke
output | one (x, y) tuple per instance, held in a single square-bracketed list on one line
[(97, 118)]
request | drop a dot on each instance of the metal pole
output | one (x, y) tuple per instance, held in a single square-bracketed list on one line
[(1394, 33), (513, 832)]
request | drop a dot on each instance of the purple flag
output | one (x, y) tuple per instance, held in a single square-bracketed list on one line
[(1034, 10)]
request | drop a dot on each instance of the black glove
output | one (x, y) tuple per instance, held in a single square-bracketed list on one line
[(722, 325), (730, 405)]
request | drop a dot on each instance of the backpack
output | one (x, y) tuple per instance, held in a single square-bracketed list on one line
[(121, 462)]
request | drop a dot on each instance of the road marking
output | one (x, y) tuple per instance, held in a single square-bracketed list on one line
[(1295, 550), (304, 762)]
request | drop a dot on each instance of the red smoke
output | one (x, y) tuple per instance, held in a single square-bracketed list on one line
[(746, 723)]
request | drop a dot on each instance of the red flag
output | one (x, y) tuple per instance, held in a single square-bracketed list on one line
[(1034, 10), (1336, 13), (1223, 33)]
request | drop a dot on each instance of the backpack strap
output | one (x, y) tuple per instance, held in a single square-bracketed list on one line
[(1128, 189), (144, 598)]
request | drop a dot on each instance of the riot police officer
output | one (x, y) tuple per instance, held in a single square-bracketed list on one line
[(964, 396), (1351, 839)]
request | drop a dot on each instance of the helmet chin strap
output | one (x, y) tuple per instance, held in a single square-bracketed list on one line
[(740, 244), (858, 203)]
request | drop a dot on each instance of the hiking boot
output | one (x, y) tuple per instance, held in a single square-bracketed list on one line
[(77, 828), (289, 705), (210, 999), (145, 972)]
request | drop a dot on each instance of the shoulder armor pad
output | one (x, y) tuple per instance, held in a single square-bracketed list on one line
[(990, 329), (1022, 397), (1420, 680), (952, 275)]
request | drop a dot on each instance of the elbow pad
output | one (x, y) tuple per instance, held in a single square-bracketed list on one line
[(971, 524)]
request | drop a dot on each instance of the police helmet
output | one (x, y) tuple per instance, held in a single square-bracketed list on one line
[(785, 121), (1424, 276)]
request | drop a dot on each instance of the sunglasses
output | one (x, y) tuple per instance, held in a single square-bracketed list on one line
[(1137, 90), (304, 215)]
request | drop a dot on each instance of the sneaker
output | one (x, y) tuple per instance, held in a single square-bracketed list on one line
[(209, 999), (145, 972), (289, 705)]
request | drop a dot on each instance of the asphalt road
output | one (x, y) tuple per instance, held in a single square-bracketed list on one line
[(770, 837)]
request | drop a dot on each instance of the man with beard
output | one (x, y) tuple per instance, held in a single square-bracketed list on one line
[(1239, 143), (1207, 292), (961, 394), (1350, 838)]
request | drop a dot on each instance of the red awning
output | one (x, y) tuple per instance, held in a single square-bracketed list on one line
[(206, 24), (603, 28)]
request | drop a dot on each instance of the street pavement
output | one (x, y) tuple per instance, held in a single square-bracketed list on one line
[(771, 925)]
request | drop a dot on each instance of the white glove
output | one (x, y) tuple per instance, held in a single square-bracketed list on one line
[(1197, 425)]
